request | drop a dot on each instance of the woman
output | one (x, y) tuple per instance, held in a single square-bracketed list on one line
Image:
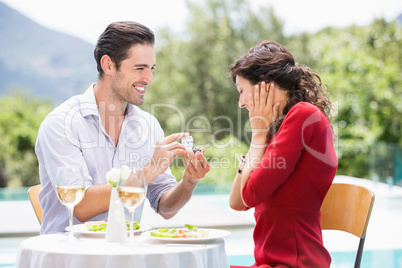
[(291, 161)]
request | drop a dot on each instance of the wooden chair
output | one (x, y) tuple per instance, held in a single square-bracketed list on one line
[(33, 193), (347, 208)]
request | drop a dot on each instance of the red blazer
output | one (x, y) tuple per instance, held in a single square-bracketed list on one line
[(287, 189)]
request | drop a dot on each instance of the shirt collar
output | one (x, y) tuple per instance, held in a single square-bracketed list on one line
[(88, 103), (130, 110)]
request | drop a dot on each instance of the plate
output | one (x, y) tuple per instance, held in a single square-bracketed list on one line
[(212, 235), (81, 230)]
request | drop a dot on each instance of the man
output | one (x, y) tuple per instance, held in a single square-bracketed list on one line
[(103, 128)]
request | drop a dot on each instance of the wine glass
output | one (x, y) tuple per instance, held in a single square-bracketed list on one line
[(132, 193), (70, 190)]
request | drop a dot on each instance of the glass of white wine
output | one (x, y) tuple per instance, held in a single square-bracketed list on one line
[(132, 193), (70, 190)]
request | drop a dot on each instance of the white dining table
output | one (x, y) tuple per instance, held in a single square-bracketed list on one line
[(55, 250)]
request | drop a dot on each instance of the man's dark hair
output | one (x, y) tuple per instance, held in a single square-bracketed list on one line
[(118, 38)]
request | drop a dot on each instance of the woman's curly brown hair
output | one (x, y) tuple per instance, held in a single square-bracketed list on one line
[(272, 62)]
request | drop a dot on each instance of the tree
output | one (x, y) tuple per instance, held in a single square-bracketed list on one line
[(21, 115), (362, 68)]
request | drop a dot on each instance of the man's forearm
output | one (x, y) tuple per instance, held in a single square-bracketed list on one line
[(96, 201), (174, 199)]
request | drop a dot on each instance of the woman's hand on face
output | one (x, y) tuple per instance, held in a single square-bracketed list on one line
[(262, 110)]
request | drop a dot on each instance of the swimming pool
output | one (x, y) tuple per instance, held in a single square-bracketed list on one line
[(371, 259), (14, 194)]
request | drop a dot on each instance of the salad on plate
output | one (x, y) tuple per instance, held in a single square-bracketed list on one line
[(189, 231), (100, 226)]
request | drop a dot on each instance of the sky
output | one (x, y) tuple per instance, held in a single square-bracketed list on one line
[(87, 19)]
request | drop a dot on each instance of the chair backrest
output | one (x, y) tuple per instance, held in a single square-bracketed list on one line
[(347, 207), (33, 193)]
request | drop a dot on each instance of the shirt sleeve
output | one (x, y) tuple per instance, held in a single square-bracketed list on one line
[(299, 128), (160, 184), (57, 145)]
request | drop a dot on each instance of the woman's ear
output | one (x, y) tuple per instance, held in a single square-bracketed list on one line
[(107, 64)]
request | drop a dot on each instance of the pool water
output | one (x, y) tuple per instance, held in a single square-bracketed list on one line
[(21, 193), (371, 259), (14, 194)]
